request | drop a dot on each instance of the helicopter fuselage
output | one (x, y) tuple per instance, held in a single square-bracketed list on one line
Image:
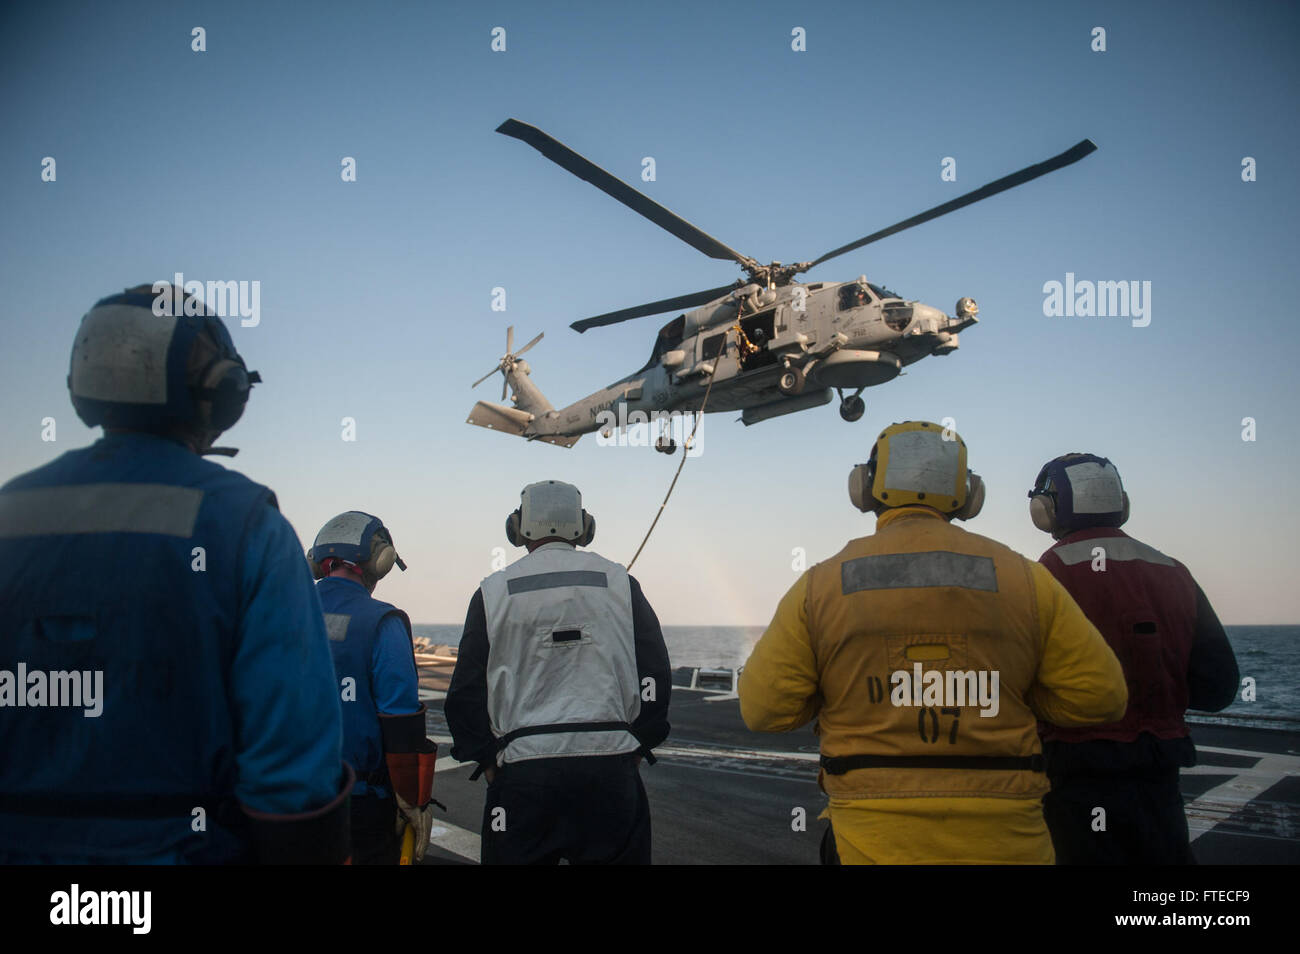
[(738, 348)]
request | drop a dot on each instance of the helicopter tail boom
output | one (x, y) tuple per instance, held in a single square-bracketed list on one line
[(510, 420)]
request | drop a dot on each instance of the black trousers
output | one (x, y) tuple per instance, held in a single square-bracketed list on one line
[(1136, 784), (587, 810), (374, 831), (1145, 823)]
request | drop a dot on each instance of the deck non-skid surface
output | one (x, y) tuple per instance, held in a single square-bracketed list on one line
[(721, 794)]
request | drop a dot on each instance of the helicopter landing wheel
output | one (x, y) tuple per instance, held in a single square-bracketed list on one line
[(665, 445), (790, 382), (852, 408)]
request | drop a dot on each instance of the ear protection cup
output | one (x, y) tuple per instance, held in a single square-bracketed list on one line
[(512, 529), (382, 557), (860, 478), (588, 530), (1124, 515), (1042, 511), (219, 390), (317, 572), (974, 497), (222, 394)]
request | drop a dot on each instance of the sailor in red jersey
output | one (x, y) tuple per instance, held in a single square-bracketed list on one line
[(1175, 656)]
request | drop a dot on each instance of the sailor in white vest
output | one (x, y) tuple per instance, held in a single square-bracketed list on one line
[(561, 687)]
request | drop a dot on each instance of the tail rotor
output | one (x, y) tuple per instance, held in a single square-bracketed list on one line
[(508, 360)]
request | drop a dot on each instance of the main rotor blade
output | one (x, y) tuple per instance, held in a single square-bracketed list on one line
[(653, 308), (1071, 155), (503, 388), (529, 345), (485, 377), (510, 338), (611, 185)]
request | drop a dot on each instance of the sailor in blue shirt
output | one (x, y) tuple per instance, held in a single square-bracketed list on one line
[(171, 594), (374, 660)]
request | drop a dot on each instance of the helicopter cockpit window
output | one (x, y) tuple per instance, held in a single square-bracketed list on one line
[(670, 336), (853, 295), (883, 292)]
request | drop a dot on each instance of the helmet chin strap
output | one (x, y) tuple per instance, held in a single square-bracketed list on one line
[(202, 444)]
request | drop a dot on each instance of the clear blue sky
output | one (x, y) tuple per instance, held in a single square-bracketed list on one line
[(376, 294)]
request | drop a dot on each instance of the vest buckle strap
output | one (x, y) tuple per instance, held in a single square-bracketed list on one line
[(509, 737), (843, 764)]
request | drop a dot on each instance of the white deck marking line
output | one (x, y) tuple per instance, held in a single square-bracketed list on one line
[(1269, 773), (735, 753), (457, 840), (1250, 753), (432, 694), (1223, 801)]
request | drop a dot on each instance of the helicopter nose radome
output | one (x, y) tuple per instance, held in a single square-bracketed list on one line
[(926, 318)]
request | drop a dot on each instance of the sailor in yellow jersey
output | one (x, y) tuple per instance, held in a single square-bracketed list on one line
[(927, 654)]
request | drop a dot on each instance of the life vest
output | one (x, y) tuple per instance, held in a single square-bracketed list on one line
[(922, 597), (122, 558), (352, 620), (561, 674), (1144, 604)]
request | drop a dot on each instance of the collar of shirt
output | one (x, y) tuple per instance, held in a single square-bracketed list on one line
[(895, 513), (348, 579), (553, 544)]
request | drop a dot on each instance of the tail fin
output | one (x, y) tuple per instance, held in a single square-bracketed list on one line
[(499, 418), (511, 420)]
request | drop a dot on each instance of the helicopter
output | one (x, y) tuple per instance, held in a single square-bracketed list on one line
[(765, 345)]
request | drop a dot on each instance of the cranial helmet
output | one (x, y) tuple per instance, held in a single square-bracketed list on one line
[(359, 539), (140, 364), (1076, 491), (550, 508), (917, 462)]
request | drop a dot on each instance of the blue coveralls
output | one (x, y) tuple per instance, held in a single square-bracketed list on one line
[(372, 648), (182, 584)]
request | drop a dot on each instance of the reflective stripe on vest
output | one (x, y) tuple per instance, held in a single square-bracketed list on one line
[(892, 571), (561, 674), (100, 508), (1120, 549), (927, 641)]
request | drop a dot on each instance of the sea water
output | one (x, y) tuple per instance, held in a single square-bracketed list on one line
[(1269, 655)]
